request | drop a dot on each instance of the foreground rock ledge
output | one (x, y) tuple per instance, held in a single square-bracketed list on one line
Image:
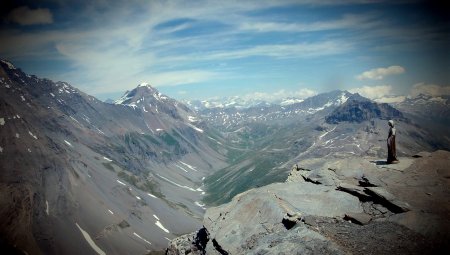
[(320, 209)]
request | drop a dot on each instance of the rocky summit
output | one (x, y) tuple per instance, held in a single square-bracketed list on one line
[(352, 205)]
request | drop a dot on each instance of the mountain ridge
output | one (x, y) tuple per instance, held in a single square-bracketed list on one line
[(71, 163)]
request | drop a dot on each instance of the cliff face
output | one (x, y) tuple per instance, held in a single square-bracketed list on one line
[(335, 206)]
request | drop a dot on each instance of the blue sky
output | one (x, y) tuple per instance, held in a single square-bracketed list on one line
[(204, 49)]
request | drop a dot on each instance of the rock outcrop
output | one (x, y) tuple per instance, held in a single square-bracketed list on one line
[(335, 206)]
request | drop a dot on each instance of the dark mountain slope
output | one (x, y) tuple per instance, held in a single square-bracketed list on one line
[(359, 109), (129, 176)]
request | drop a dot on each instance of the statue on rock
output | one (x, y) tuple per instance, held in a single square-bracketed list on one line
[(392, 152)]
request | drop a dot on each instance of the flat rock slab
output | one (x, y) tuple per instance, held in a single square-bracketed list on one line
[(359, 218), (353, 189), (257, 211), (403, 164), (389, 200)]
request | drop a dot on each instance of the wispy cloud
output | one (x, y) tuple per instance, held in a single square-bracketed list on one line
[(429, 89), (285, 50), (380, 73), (181, 77), (25, 16), (112, 46), (347, 21), (280, 94)]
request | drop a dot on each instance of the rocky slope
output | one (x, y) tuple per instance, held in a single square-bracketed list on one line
[(79, 176), (350, 205)]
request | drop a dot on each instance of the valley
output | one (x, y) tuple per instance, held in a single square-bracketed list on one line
[(126, 177)]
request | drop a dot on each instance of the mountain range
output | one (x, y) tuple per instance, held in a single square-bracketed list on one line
[(79, 175), (128, 173)]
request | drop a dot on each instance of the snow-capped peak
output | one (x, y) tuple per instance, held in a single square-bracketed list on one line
[(289, 101), (343, 98), (144, 84)]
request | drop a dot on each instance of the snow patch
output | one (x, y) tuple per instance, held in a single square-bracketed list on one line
[(98, 130), (290, 101), (167, 239), (144, 84), (189, 166), (29, 150), (200, 205), (2, 121), (111, 212), (161, 226), (176, 184), (68, 143), (343, 99), (159, 129), (1, 149), (35, 137), (138, 236), (110, 160), (46, 208), (90, 241), (151, 195), (75, 119), (192, 118), (121, 183), (53, 95), (17, 135), (23, 98), (215, 140), (138, 197), (143, 108), (156, 217), (195, 128), (324, 134)]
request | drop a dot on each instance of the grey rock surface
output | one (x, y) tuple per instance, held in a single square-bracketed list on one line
[(367, 207), (254, 212)]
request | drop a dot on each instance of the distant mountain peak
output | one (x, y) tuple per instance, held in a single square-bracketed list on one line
[(358, 97), (139, 94), (358, 109)]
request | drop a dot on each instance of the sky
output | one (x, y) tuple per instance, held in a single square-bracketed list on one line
[(384, 50)]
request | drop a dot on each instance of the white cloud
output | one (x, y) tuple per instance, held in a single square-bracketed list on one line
[(25, 16), (380, 73), (373, 92), (429, 89), (391, 99), (280, 94)]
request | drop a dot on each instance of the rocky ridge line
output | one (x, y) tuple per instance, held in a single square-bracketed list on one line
[(335, 206)]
